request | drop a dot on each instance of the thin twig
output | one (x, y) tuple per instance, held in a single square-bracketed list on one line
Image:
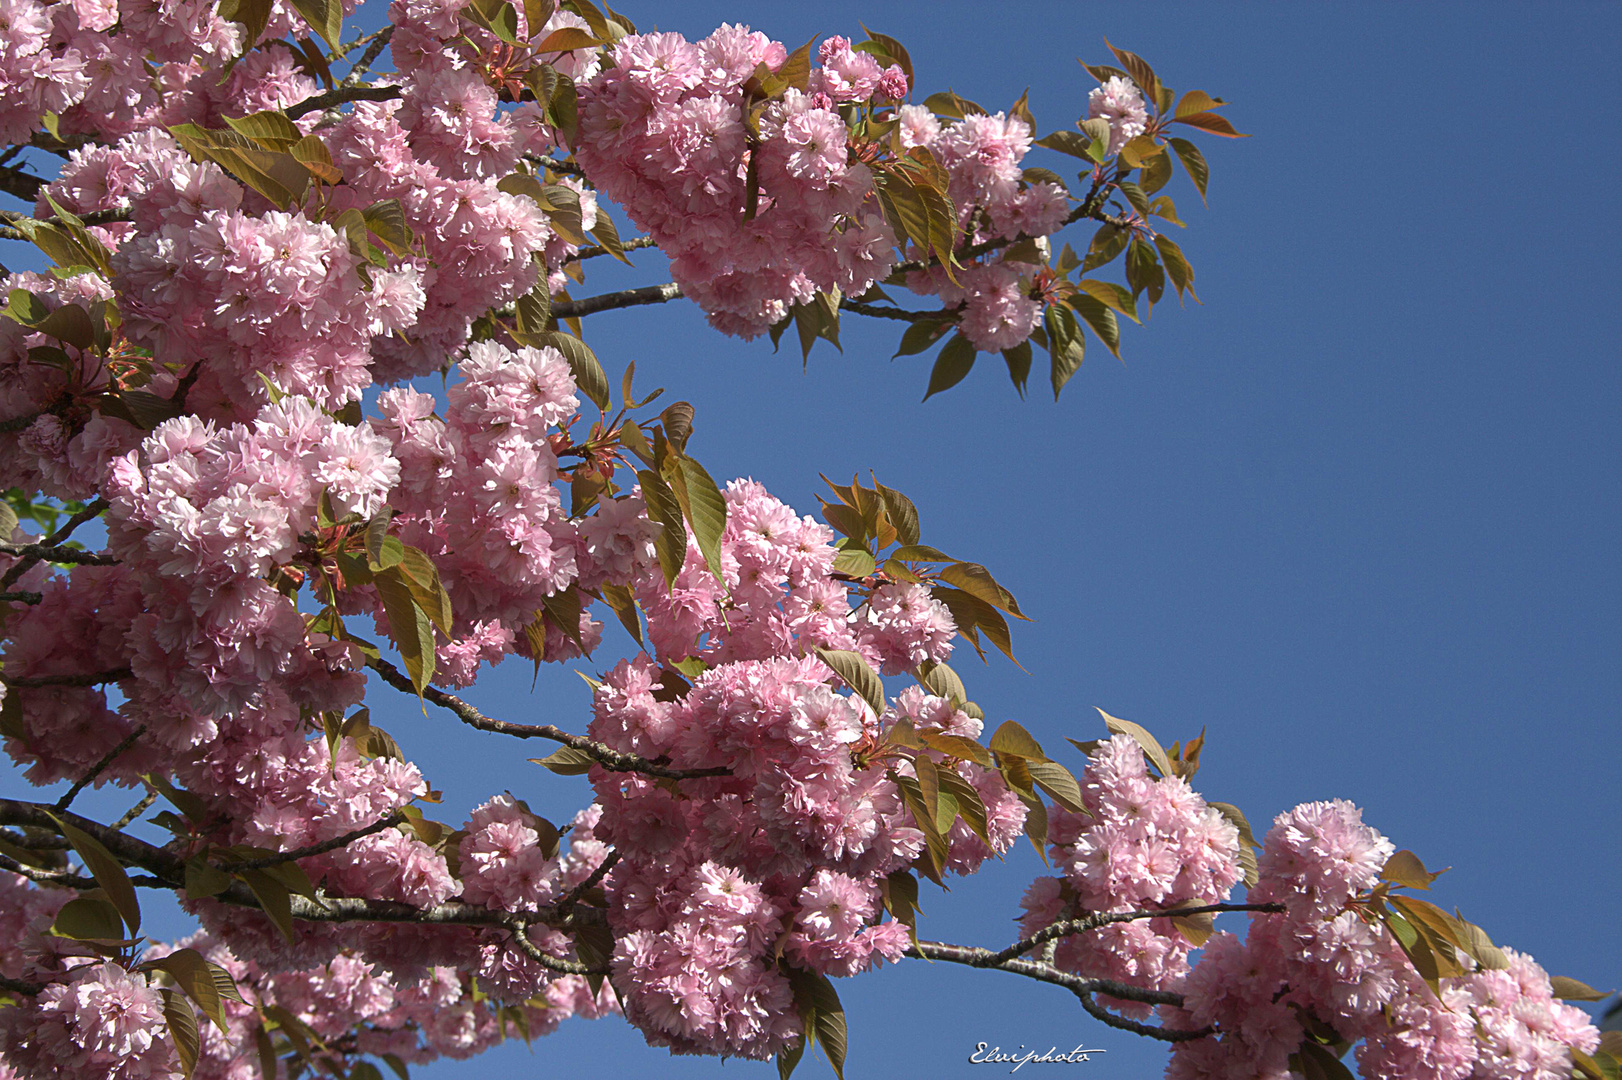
[(566, 905), (94, 678), (379, 42), (386, 821), (135, 811), (96, 770), (1067, 927), (91, 509), (880, 312), (635, 243), (606, 756), (648, 294)]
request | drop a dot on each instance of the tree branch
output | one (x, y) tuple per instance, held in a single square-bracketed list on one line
[(94, 678), (1067, 927), (520, 932), (22, 597), (878, 311), (635, 243), (375, 46), (16, 986), (339, 96), (99, 767), (648, 294), (606, 756), (19, 184), (91, 509), (386, 821), (1083, 988), (57, 554)]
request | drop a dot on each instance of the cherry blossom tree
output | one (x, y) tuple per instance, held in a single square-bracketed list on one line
[(265, 239)]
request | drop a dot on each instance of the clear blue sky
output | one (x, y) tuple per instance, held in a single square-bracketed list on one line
[(1357, 516)]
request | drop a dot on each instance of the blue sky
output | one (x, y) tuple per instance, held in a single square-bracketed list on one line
[(1356, 516)]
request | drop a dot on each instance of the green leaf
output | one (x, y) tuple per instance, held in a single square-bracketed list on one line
[(1157, 173), (1019, 365), (24, 307), (1140, 734), (1405, 868), (823, 1015), (621, 601), (1194, 162), (182, 1029), (1068, 142), (108, 872), (1012, 738), (855, 561), (951, 366), (856, 674), (671, 543), (919, 336), (496, 16), (608, 235), (706, 511), (422, 577), (976, 580), (194, 976), (69, 323), (274, 897), (325, 17), (589, 376), (1060, 784), (203, 879), (1101, 319), (1212, 122), (788, 1058), (1313, 1061), (567, 761), (409, 626), (901, 512), (957, 746), (1107, 243), (89, 918), (970, 806), (567, 39), (920, 553), (1177, 267), (385, 220), (272, 129), (1140, 71), (1570, 989), (251, 14)]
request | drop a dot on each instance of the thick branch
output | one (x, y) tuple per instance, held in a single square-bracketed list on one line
[(22, 596), (648, 294), (17, 986), (93, 678), (18, 423), (40, 552), (99, 767), (567, 904), (609, 758), (520, 932), (340, 96), (19, 184)]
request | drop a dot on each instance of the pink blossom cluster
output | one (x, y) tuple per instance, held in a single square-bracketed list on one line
[(480, 496), (1119, 102), (663, 133), (1146, 843), (1324, 958), (981, 154), (791, 846), (99, 1022)]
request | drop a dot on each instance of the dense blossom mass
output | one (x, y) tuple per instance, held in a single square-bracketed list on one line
[(258, 265)]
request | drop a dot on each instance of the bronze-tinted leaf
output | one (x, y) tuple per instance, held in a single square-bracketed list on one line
[(951, 366), (1151, 746), (107, 870), (857, 674)]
